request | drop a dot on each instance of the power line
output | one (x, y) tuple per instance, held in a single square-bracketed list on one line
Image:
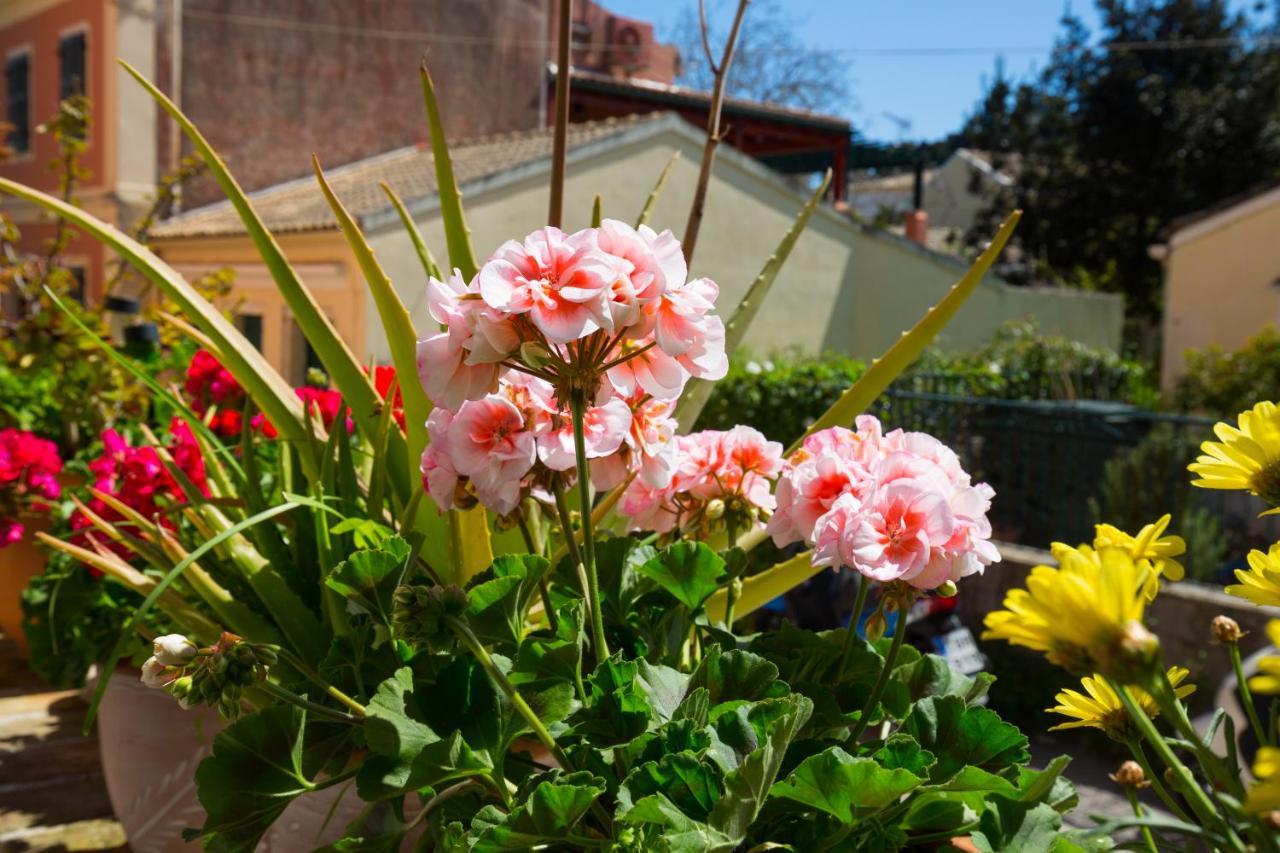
[(421, 36)]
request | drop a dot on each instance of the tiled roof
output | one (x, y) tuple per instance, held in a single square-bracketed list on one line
[(674, 95), (298, 205)]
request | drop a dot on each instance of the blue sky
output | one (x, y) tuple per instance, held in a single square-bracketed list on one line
[(931, 91)]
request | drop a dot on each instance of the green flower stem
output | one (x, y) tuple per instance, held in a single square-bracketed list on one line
[(1213, 766), (571, 542), (1264, 734), (286, 695), (882, 680), (1147, 839), (577, 403), (731, 601), (543, 590), (1200, 803), (473, 643), (1140, 756), (319, 680), (859, 603)]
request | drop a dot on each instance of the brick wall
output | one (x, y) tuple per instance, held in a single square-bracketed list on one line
[(271, 81)]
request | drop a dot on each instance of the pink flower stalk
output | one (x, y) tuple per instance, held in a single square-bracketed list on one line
[(567, 308), (893, 507), (29, 468)]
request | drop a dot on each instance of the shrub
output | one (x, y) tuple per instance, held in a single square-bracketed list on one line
[(1141, 484), (1222, 383), (779, 395)]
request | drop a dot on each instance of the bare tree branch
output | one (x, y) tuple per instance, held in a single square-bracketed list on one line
[(713, 133)]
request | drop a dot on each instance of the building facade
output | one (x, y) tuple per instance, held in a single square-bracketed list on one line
[(1221, 277)]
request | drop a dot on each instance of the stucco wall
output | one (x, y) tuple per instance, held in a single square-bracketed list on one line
[(844, 288), (1220, 286)]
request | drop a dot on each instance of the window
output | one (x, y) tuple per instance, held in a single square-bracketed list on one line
[(250, 325), (17, 86), (72, 78)]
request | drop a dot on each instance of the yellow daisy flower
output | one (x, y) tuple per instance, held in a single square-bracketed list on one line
[(1267, 681), (1099, 707), (1085, 614), (1150, 544), (1264, 796), (1247, 457), (1261, 584)]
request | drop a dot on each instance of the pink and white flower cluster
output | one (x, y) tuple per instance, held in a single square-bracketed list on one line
[(506, 445), (895, 506), (735, 467), (612, 299), (29, 468)]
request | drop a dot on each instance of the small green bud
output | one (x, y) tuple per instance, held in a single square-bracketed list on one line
[(875, 626), (947, 589), (534, 354), (715, 509)]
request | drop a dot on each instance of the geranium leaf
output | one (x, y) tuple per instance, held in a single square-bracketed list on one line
[(959, 736), (690, 571), (691, 784), (548, 816), (746, 788), (901, 752), (736, 675), (1014, 827), (617, 710), (663, 686), (498, 604), (847, 788), (253, 774), (368, 578)]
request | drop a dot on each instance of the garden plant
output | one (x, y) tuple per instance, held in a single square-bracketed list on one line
[(498, 595)]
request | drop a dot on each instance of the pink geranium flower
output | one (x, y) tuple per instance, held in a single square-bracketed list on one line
[(562, 282), (604, 430), (462, 362)]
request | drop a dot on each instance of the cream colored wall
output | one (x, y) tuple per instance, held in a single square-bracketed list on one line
[(135, 117), (842, 289), (1220, 287)]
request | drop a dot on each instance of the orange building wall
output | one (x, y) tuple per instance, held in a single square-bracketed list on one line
[(40, 34)]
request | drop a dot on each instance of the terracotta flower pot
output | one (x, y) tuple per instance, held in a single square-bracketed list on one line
[(19, 563), (150, 748)]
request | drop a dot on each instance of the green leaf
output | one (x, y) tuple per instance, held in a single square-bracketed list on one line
[(1017, 828), (548, 816), (681, 833), (901, 752), (368, 578), (405, 754), (961, 736), (746, 788), (736, 675), (663, 687), (1042, 786), (457, 234), (697, 391), (899, 356), (430, 268), (690, 571), (497, 607), (847, 788), (617, 710), (652, 200), (252, 775), (688, 782)]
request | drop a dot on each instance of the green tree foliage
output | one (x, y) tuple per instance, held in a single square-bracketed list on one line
[(1222, 384), (1126, 130)]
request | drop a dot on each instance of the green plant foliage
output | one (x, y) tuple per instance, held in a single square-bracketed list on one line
[(1222, 383)]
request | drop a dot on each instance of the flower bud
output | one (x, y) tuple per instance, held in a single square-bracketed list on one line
[(174, 650), (1225, 630), (715, 509), (1171, 779), (155, 674), (947, 589), (1134, 657), (1271, 819), (1130, 775), (534, 354), (875, 626)]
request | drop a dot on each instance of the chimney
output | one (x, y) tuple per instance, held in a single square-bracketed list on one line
[(917, 221)]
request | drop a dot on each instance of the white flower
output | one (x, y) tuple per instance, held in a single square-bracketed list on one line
[(155, 674), (174, 650)]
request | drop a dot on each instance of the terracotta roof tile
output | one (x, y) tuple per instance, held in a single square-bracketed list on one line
[(298, 205)]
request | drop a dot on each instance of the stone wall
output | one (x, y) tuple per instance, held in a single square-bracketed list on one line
[(1180, 614)]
